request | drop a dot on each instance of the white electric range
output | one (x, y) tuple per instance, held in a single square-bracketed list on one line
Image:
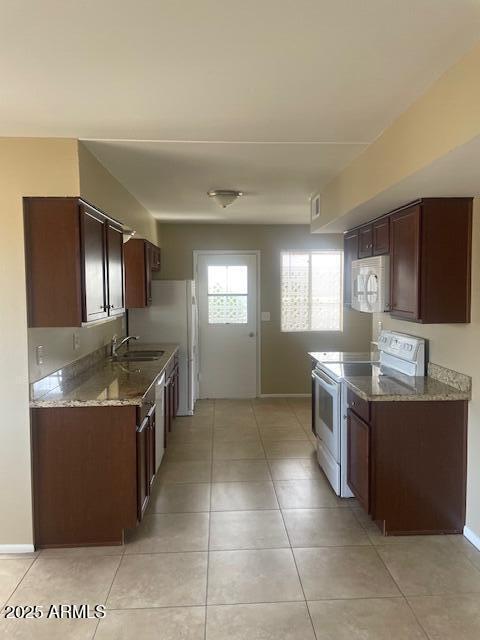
[(397, 353)]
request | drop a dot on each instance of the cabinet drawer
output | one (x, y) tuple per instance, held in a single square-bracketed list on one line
[(360, 406)]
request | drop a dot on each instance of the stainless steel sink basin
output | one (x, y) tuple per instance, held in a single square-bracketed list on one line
[(138, 355)]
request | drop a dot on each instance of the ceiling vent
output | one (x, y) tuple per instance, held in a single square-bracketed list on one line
[(315, 207)]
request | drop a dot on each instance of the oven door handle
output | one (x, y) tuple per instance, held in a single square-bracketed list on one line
[(323, 379)]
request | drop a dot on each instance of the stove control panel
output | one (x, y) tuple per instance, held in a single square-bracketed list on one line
[(401, 347)]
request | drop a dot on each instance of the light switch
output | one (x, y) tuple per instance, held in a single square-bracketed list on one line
[(76, 341), (265, 316), (39, 354)]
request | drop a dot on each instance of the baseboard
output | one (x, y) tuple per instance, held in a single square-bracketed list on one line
[(285, 395), (17, 548), (472, 537)]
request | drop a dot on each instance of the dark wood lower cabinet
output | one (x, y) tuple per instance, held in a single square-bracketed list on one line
[(152, 434), (84, 475), (172, 397), (358, 448), (143, 464), (93, 467), (407, 466)]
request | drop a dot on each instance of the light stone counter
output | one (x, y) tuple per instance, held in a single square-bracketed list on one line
[(397, 387), (106, 383)]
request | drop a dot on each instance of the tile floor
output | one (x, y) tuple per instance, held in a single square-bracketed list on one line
[(244, 539)]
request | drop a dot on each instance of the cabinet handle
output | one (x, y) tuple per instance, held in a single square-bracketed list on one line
[(143, 426)]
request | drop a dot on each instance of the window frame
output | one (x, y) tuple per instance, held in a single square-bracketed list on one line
[(338, 252)]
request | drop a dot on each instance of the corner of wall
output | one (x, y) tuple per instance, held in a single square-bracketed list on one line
[(101, 188)]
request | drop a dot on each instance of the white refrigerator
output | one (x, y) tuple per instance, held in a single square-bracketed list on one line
[(172, 317)]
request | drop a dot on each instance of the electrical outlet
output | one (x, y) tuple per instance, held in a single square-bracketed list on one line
[(39, 354), (76, 341)]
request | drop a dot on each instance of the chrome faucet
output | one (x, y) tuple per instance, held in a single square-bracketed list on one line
[(116, 345)]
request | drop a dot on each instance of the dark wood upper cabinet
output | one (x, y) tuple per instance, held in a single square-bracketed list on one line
[(429, 242), (141, 259), (115, 271), (94, 265), (365, 241), (74, 262), (430, 260), (53, 262), (350, 253), (381, 236), (405, 263)]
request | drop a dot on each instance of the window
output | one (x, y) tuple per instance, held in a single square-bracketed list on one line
[(227, 294), (311, 291)]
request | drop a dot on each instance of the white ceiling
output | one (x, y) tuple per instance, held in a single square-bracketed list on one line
[(454, 175), (328, 71), (172, 179)]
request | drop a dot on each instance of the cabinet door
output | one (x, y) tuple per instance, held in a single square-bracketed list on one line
[(143, 483), (365, 241), (166, 419), (313, 406), (151, 446), (350, 253), (381, 237), (155, 257), (94, 263), (176, 392), (135, 274), (171, 391), (148, 272), (405, 263), (116, 302), (358, 458)]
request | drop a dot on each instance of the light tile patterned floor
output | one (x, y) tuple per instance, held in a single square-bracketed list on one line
[(244, 539)]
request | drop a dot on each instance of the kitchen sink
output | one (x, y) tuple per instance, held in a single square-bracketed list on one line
[(138, 355)]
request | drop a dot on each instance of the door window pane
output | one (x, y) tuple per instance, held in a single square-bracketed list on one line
[(227, 294), (228, 279), (227, 309)]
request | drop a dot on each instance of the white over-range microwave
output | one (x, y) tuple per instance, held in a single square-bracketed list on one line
[(371, 284)]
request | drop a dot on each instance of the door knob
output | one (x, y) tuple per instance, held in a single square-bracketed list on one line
[(251, 334)]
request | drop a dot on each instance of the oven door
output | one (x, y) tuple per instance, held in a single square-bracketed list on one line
[(327, 412)]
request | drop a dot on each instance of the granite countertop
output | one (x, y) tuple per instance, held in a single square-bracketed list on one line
[(109, 383), (381, 386)]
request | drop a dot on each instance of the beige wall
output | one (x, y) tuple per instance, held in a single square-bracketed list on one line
[(444, 118), (457, 346), (58, 345), (98, 186), (41, 167), (28, 167), (285, 367)]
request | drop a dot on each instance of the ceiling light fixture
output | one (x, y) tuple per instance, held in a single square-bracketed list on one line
[(224, 197)]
